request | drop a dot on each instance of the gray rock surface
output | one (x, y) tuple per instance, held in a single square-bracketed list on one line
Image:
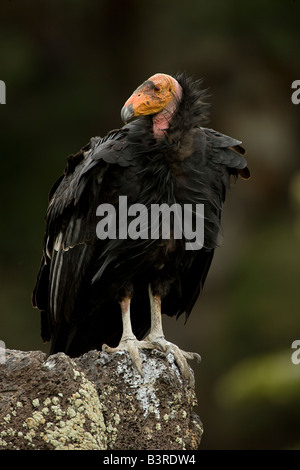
[(96, 401)]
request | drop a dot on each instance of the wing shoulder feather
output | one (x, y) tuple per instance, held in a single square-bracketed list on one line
[(227, 151)]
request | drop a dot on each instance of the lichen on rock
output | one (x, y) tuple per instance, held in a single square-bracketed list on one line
[(97, 401)]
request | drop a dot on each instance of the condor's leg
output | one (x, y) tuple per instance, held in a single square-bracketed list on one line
[(157, 338), (128, 341)]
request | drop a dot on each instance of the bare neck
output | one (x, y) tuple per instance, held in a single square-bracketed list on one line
[(161, 120)]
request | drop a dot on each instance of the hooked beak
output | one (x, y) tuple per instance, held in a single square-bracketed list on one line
[(140, 103), (127, 113)]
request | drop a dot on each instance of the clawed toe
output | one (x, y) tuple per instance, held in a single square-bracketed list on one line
[(181, 361), (132, 346), (180, 356)]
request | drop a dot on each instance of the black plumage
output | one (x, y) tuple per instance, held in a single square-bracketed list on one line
[(82, 279)]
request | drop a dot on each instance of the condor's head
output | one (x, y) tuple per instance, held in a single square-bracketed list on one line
[(158, 96)]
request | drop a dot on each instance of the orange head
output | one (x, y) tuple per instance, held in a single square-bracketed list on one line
[(160, 92)]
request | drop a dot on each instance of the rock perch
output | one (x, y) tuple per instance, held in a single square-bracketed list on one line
[(96, 401)]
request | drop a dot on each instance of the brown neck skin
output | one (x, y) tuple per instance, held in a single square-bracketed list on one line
[(161, 120)]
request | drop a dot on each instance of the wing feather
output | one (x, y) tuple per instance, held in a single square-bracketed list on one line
[(221, 156), (70, 239)]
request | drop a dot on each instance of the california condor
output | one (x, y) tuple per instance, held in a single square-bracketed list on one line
[(94, 291)]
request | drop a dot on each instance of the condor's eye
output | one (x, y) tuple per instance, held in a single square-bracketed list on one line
[(157, 88)]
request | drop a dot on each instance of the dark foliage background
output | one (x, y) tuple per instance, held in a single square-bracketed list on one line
[(69, 66)]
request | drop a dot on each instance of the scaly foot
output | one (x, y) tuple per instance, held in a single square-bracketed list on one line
[(132, 345), (180, 356)]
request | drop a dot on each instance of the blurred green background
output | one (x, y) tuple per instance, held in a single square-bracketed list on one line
[(69, 66)]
